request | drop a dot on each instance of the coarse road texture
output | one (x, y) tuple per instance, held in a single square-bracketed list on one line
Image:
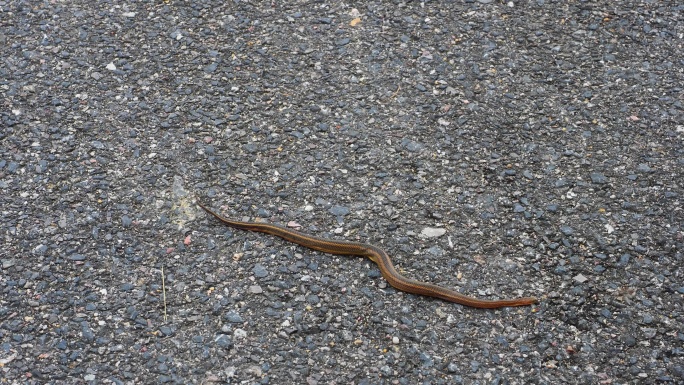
[(499, 148)]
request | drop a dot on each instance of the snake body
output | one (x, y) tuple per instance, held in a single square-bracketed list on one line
[(376, 255)]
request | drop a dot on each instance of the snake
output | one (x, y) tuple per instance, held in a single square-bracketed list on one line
[(375, 254)]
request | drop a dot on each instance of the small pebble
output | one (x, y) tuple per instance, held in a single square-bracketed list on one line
[(598, 178), (233, 317), (339, 211), (433, 232), (259, 271), (580, 278), (255, 289), (567, 230)]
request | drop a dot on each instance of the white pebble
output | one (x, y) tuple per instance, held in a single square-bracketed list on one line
[(433, 232), (580, 278)]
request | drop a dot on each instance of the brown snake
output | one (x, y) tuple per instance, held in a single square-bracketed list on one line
[(376, 255)]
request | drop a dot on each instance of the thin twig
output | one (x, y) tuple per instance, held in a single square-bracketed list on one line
[(395, 92), (163, 291)]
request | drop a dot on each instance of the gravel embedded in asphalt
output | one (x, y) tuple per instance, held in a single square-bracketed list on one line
[(504, 149)]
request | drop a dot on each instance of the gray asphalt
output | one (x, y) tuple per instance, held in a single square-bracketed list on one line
[(543, 139)]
